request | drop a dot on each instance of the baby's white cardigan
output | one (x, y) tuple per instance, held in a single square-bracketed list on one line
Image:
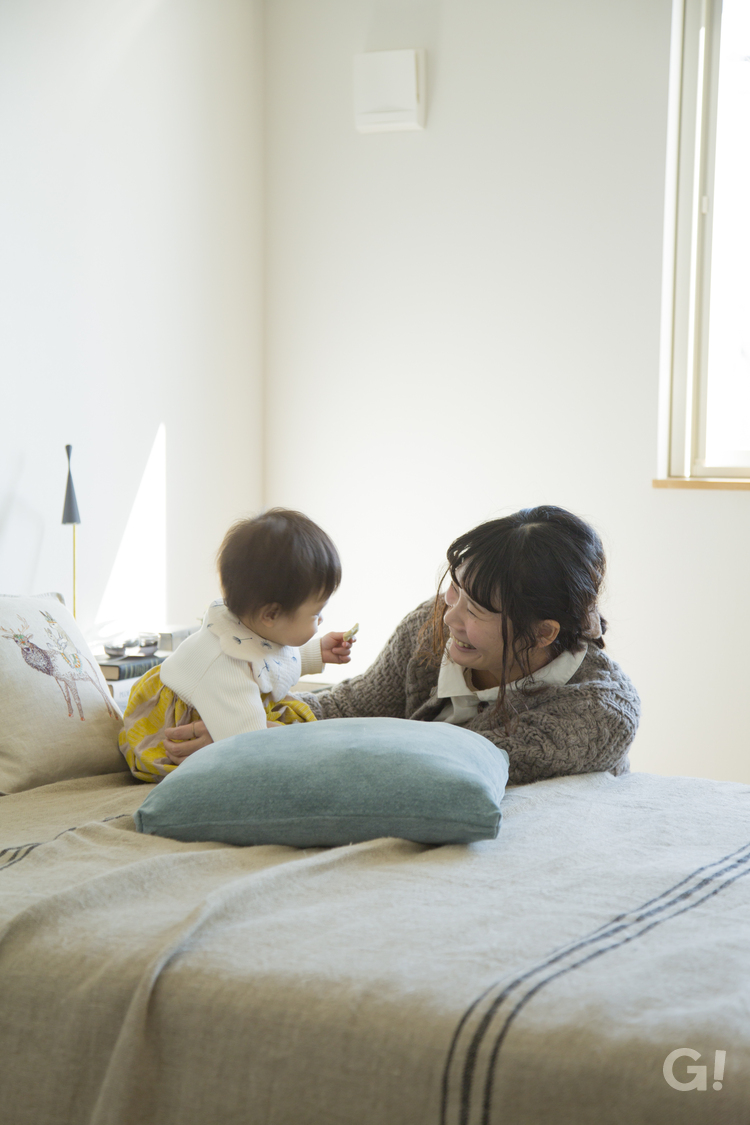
[(222, 669)]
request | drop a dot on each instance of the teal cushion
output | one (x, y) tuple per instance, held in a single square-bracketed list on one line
[(334, 782)]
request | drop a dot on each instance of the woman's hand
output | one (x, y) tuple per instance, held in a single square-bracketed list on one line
[(334, 649), (181, 742)]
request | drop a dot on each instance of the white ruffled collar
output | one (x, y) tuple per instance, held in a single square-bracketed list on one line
[(275, 667), (233, 634)]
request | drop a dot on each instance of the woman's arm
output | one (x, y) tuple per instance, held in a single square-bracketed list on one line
[(178, 746), (536, 753), (382, 689), (577, 728)]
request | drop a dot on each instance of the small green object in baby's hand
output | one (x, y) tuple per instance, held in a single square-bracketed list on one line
[(350, 632)]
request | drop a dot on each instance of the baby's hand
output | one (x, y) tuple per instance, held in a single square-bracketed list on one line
[(334, 649)]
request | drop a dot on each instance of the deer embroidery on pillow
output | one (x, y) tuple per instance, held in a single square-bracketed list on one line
[(60, 660), (61, 642)]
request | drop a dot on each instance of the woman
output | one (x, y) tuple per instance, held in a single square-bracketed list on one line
[(513, 650)]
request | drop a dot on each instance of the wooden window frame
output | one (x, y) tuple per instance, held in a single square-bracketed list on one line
[(691, 149)]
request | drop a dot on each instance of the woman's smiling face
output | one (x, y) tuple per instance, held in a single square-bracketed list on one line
[(476, 639), (476, 634)]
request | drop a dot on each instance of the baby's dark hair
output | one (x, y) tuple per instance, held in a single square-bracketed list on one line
[(279, 557), (537, 565)]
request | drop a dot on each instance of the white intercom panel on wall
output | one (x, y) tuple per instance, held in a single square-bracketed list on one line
[(389, 91)]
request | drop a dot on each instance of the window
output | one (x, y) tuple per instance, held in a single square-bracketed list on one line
[(706, 343)]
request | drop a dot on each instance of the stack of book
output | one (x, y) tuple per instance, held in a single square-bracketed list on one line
[(128, 667), (122, 672)]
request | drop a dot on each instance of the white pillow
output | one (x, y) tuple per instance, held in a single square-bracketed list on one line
[(57, 717)]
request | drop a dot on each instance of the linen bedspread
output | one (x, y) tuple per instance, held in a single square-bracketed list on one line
[(543, 976)]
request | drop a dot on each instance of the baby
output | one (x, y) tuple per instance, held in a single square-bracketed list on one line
[(277, 572)]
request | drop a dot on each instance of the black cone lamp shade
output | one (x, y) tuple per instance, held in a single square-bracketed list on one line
[(70, 508)]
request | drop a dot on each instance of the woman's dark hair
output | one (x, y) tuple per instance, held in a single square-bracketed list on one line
[(537, 565), (280, 557)]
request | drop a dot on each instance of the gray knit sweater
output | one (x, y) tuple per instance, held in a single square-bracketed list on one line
[(579, 727)]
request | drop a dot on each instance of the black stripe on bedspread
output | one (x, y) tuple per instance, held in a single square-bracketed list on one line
[(486, 1022), (9, 856)]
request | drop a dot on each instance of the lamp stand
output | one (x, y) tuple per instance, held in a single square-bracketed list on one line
[(74, 570)]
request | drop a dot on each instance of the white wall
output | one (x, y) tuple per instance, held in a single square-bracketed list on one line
[(460, 321), (130, 282), (465, 321)]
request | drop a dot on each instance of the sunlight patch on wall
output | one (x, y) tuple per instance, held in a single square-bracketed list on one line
[(135, 597)]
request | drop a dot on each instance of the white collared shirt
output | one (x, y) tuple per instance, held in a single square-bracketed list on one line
[(454, 685)]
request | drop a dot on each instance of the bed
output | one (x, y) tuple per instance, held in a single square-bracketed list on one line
[(543, 976), (572, 970)]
